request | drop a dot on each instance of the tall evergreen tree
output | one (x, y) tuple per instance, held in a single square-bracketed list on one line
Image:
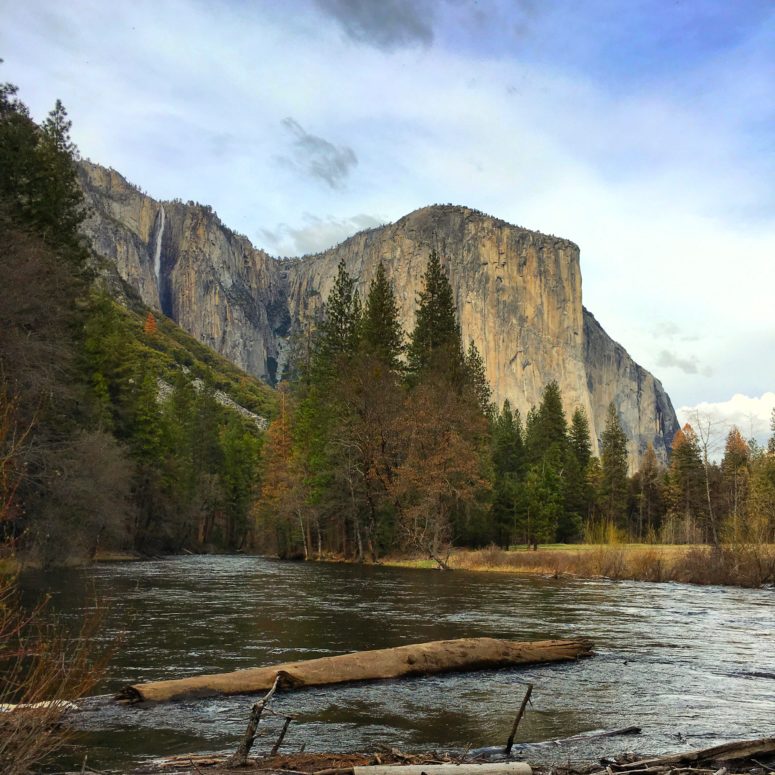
[(340, 328), (508, 469), (578, 493), (381, 332), (613, 458), (477, 380), (549, 428), (686, 478), (579, 437), (435, 341)]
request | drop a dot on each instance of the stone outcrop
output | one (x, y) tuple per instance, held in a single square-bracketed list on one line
[(518, 294)]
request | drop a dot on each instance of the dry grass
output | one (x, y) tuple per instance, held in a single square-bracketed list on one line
[(43, 668), (744, 565)]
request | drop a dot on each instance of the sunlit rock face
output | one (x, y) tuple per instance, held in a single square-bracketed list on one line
[(518, 294)]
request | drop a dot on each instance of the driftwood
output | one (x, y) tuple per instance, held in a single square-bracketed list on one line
[(727, 752), (520, 713), (492, 751), (470, 768), (240, 757), (418, 659)]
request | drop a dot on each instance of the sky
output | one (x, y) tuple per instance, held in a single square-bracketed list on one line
[(643, 131)]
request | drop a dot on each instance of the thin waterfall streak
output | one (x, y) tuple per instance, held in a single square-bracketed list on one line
[(157, 252)]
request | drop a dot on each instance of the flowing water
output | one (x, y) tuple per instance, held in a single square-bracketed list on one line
[(691, 665)]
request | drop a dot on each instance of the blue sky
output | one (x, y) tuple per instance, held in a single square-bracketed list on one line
[(643, 131)]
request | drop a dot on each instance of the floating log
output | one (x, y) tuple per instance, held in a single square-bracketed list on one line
[(441, 656)]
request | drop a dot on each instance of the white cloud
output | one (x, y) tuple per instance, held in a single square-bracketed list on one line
[(751, 415), (285, 240)]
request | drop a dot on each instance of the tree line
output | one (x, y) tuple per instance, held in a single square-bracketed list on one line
[(386, 441)]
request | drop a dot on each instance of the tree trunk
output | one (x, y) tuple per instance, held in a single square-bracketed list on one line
[(418, 659)]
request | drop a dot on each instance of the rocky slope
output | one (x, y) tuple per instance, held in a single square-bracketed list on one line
[(518, 294)]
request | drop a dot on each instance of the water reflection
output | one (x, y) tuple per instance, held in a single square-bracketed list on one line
[(688, 664)]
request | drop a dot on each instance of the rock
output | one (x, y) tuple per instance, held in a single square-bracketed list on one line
[(518, 294)]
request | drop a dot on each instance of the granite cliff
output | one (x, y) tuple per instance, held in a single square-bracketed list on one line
[(518, 294)]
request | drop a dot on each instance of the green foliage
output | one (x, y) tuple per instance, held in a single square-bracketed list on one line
[(477, 380), (109, 461), (547, 428), (381, 332), (614, 465), (435, 344), (508, 455), (38, 183), (340, 329)]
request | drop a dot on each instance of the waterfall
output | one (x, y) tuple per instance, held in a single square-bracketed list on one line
[(157, 252)]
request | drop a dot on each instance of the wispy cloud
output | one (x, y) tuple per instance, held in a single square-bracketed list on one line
[(688, 365), (386, 24), (285, 240), (319, 158)]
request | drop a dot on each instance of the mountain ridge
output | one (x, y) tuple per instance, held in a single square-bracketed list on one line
[(517, 291)]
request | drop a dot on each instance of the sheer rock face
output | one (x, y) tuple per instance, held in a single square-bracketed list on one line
[(183, 261), (518, 295)]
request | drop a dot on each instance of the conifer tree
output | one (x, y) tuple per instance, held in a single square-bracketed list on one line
[(613, 459), (578, 493), (649, 494), (579, 437), (686, 480), (548, 428), (340, 329), (771, 442), (477, 380), (149, 327), (435, 341), (381, 332), (508, 465)]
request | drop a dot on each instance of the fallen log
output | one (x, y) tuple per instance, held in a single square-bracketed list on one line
[(727, 752), (417, 659)]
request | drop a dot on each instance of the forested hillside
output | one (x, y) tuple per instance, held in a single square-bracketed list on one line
[(117, 429)]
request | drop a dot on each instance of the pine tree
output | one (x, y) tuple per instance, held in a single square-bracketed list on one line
[(381, 332), (477, 380), (578, 493), (435, 341), (508, 464), (548, 427), (686, 481), (614, 464), (340, 329), (579, 438)]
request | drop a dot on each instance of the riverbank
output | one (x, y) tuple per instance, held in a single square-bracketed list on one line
[(741, 565), (755, 757)]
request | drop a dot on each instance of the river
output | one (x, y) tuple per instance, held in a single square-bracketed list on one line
[(691, 665)]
